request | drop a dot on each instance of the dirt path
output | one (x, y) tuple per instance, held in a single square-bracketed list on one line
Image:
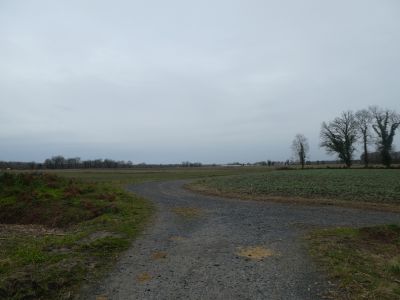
[(201, 247)]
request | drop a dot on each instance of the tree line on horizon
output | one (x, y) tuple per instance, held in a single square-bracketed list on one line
[(339, 137), (60, 162), (367, 126)]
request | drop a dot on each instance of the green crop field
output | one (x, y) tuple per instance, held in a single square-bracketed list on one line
[(360, 185), (137, 175)]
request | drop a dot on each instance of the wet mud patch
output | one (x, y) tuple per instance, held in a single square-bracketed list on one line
[(255, 252)]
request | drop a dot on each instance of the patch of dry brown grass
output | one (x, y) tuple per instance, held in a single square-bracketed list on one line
[(143, 277), (255, 252)]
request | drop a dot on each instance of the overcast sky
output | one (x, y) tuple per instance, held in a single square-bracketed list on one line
[(168, 81)]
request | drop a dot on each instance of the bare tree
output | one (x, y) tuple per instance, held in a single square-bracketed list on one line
[(364, 120), (385, 124), (300, 148), (58, 161), (339, 136)]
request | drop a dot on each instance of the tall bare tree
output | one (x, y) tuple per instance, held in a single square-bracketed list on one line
[(300, 148), (385, 125), (364, 120), (339, 136)]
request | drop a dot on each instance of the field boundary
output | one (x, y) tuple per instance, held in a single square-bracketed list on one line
[(201, 189)]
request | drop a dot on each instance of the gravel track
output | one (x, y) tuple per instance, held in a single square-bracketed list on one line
[(198, 247)]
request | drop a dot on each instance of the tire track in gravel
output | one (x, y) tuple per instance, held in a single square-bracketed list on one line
[(204, 247)]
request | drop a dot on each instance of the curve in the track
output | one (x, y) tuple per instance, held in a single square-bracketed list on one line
[(202, 247)]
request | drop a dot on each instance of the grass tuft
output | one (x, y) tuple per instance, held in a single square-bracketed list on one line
[(56, 232), (364, 261)]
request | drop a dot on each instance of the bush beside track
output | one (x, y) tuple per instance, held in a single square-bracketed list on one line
[(56, 233)]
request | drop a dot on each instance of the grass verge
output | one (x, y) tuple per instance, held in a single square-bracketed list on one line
[(56, 233), (365, 262)]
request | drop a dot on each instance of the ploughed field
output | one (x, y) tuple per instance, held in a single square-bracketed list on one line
[(358, 185)]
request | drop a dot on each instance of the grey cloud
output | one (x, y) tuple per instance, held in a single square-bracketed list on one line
[(211, 81)]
